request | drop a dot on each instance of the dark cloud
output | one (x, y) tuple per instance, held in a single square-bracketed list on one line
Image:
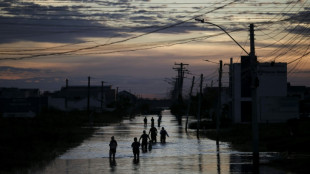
[(8, 70), (144, 0), (143, 18), (5, 69), (301, 17), (32, 22), (301, 30), (45, 84), (28, 21)]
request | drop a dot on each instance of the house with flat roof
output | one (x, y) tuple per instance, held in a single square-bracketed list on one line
[(273, 103)]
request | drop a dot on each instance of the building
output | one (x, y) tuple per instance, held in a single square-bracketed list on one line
[(303, 93), (273, 103), (17, 102), (76, 98)]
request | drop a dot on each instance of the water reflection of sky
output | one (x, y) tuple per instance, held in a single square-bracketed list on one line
[(182, 153)]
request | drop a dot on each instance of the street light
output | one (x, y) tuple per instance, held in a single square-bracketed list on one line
[(211, 61), (203, 21)]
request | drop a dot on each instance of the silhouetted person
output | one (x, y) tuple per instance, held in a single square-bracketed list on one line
[(113, 145), (153, 132), (158, 121), (159, 116), (163, 134), (152, 122), (145, 121), (135, 148), (144, 138)]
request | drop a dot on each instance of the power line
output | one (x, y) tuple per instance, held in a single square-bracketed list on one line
[(124, 40)]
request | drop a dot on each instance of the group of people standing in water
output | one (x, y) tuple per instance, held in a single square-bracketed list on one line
[(146, 140)]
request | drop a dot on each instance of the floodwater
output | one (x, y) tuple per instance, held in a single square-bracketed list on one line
[(182, 153)]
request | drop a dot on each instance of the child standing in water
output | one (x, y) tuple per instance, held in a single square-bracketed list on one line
[(135, 148), (113, 145)]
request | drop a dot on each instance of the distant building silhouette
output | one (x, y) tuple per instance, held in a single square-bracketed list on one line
[(274, 105), (303, 93), (75, 98), (15, 102), (125, 94)]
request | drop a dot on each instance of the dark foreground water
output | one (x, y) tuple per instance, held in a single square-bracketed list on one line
[(182, 153)]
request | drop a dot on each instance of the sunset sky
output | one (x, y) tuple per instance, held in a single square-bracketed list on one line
[(134, 44)]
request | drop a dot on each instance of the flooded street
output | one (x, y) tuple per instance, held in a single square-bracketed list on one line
[(182, 153)]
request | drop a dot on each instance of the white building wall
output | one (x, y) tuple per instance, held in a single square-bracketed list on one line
[(273, 104), (272, 79)]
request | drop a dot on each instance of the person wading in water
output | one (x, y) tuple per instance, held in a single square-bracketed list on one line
[(135, 149), (145, 121), (163, 134), (113, 145), (144, 138), (153, 132)]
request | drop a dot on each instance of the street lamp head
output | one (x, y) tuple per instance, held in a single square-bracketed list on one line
[(211, 61), (200, 20)]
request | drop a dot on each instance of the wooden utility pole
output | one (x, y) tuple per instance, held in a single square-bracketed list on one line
[(66, 95), (254, 85), (67, 83), (88, 95), (199, 105), (180, 78), (102, 82), (189, 102), (231, 93), (219, 110), (116, 94)]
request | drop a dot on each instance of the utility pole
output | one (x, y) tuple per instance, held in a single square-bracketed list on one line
[(66, 98), (219, 110), (231, 88), (102, 82), (254, 85), (199, 105), (180, 78), (67, 83), (116, 94), (189, 102), (88, 95)]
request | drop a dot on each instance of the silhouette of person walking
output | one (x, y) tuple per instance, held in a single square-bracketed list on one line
[(152, 122), (135, 149), (144, 138), (163, 134), (153, 132), (113, 145), (159, 120), (145, 121)]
